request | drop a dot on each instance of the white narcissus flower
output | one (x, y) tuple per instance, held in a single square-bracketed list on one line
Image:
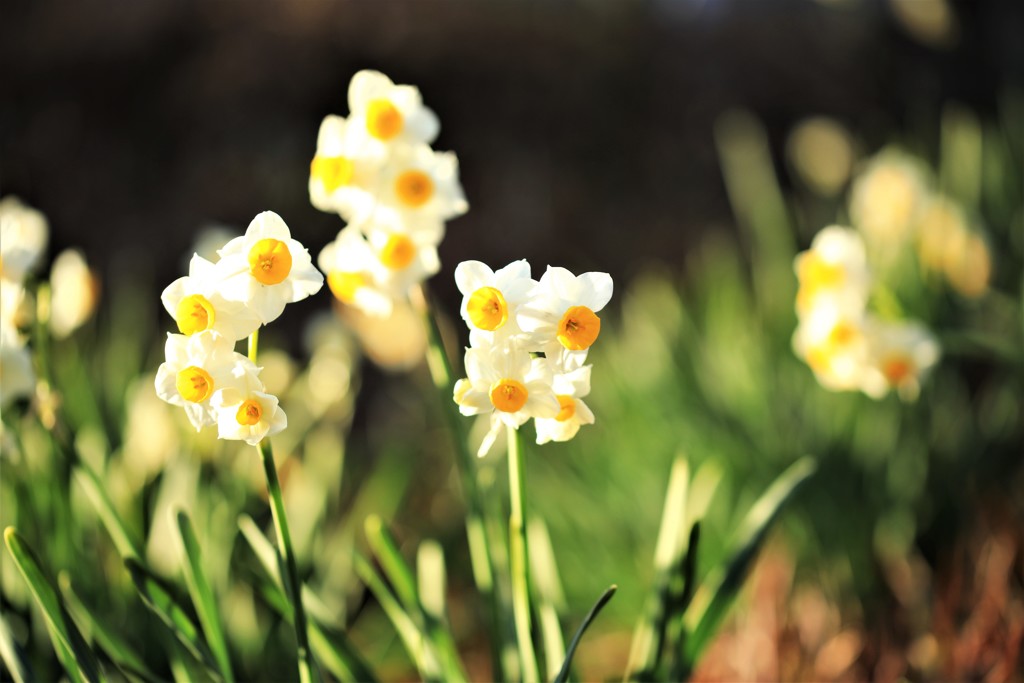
[(491, 299), (901, 354), (833, 272), (403, 258), (832, 342), (509, 385), (196, 304), (23, 236), (389, 113), (569, 388), (345, 168), (266, 269), (349, 264), (198, 366), (247, 413), (75, 293), (418, 183), (563, 310)]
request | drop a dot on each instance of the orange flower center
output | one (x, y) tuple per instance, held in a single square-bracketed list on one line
[(487, 308), (414, 188), (568, 405), (398, 252), (345, 285), (249, 413), (332, 172), (194, 384), (383, 120), (578, 328), (508, 395), (194, 314), (270, 261)]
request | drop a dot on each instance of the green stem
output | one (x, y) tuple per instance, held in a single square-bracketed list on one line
[(476, 528), (519, 557), (290, 573)]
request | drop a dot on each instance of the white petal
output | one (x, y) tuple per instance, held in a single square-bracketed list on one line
[(268, 225), (472, 275), (596, 290)]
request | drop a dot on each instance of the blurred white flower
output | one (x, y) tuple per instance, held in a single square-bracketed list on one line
[(389, 113), (833, 272), (23, 236), (267, 269), (419, 185), (198, 366), (887, 198), (74, 293), (345, 168), (196, 304), (902, 353), (832, 342), (349, 263)]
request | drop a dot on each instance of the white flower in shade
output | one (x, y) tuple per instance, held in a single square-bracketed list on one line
[(833, 343), (507, 384), (16, 308), (23, 236), (198, 366), (17, 378), (886, 199), (349, 264), (569, 389), (247, 413), (833, 272), (389, 113), (901, 354), (344, 169), (75, 293), (490, 299), (266, 269), (563, 310), (419, 184), (196, 304)]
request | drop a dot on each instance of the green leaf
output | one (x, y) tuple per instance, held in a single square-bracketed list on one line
[(331, 646), (720, 589), (79, 661), (202, 596), (119, 651), (13, 656), (563, 675), (95, 491), (160, 601)]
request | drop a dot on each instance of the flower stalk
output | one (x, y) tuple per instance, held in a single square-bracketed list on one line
[(290, 573), (519, 557)]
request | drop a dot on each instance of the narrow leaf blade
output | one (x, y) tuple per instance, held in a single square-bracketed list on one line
[(563, 675)]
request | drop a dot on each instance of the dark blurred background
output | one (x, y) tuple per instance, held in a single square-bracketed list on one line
[(583, 129)]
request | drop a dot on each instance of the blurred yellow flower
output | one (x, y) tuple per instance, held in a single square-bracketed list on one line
[(887, 198), (821, 151)]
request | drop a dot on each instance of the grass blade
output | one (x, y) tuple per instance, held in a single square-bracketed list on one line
[(122, 654), (74, 652), (643, 651), (160, 601), (331, 646), (548, 594), (718, 592), (13, 656), (202, 596), (563, 675), (95, 491)]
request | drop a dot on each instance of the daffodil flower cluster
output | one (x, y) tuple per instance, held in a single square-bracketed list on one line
[(377, 171), (895, 206), (528, 347), (848, 347), (215, 306)]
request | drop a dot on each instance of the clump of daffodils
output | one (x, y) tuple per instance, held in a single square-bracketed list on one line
[(215, 306), (528, 347), (377, 171), (894, 205), (848, 347)]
